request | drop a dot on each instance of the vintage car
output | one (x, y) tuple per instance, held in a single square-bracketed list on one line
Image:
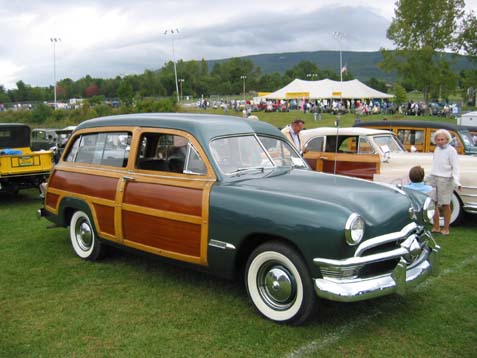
[(43, 138), (378, 155), (232, 197), (62, 136), (419, 135), (20, 167)]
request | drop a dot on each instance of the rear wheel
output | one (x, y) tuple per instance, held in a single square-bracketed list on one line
[(83, 237), (279, 284), (456, 211)]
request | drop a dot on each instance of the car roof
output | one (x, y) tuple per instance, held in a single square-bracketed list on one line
[(203, 126), (410, 123), (314, 132)]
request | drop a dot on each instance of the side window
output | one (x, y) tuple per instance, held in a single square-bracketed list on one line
[(168, 153), (316, 144), (364, 146), (110, 148)]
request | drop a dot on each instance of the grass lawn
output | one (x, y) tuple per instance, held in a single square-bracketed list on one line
[(53, 304)]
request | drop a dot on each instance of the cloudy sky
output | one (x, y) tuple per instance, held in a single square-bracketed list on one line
[(106, 38)]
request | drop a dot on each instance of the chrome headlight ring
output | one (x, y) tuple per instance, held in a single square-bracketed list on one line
[(428, 210), (354, 229)]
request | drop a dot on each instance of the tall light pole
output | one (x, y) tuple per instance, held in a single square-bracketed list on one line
[(172, 33), (54, 40), (243, 77), (339, 36), (181, 81)]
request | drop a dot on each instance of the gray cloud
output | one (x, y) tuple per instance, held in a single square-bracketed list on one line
[(109, 38)]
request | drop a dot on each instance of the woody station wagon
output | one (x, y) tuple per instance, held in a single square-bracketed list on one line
[(232, 196)]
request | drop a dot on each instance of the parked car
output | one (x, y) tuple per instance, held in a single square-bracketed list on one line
[(20, 167), (43, 138), (233, 197), (419, 135), (62, 136), (378, 155)]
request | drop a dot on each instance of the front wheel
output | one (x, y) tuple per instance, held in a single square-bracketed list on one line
[(83, 237), (279, 284)]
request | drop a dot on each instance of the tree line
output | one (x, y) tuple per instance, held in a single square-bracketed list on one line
[(422, 30)]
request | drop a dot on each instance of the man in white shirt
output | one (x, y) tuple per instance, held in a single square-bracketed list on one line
[(292, 132)]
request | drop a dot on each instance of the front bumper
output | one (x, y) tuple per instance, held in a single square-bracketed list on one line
[(414, 258)]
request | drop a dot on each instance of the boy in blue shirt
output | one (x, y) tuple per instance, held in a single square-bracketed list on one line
[(416, 175)]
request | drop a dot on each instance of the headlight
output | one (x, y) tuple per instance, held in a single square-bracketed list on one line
[(354, 229), (428, 210)]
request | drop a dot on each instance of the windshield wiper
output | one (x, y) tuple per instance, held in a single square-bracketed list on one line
[(239, 171)]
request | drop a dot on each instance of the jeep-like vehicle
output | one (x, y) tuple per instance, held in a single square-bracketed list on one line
[(20, 167)]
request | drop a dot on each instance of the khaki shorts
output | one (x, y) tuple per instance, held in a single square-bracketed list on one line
[(443, 189)]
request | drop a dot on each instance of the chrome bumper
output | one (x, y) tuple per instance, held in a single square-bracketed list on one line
[(418, 258)]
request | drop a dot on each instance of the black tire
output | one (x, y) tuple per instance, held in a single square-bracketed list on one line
[(83, 237), (279, 284)]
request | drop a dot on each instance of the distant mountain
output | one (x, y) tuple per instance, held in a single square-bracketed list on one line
[(363, 65)]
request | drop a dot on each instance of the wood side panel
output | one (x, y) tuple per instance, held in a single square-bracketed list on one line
[(52, 200), (361, 170), (105, 215), (164, 197), (164, 234), (85, 184)]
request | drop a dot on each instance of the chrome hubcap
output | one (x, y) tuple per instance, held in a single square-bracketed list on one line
[(277, 286), (84, 235)]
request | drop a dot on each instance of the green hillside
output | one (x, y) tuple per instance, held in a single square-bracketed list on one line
[(363, 65)]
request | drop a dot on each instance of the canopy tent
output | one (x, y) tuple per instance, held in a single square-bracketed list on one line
[(326, 89)]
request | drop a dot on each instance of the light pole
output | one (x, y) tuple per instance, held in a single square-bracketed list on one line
[(339, 36), (172, 33), (243, 77), (181, 81), (54, 40), (311, 75)]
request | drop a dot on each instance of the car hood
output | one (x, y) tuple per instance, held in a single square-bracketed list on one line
[(374, 202)]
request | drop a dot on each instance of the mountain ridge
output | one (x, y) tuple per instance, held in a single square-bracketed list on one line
[(363, 65)]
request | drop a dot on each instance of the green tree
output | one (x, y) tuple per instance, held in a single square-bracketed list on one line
[(420, 29), (400, 94), (467, 40), (125, 92)]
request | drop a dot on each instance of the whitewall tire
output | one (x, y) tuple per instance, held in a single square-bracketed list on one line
[(83, 237), (279, 285)]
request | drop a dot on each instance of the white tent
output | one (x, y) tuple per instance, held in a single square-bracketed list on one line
[(326, 89)]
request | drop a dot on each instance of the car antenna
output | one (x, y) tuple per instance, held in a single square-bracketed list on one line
[(337, 124)]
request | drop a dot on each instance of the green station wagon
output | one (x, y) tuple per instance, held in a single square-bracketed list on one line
[(231, 196)]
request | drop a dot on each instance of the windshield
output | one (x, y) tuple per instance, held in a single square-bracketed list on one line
[(388, 143), (467, 138), (249, 153)]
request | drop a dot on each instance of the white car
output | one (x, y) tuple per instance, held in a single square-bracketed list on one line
[(378, 155)]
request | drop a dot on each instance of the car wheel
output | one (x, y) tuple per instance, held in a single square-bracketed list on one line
[(83, 237), (456, 210), (279, 284)]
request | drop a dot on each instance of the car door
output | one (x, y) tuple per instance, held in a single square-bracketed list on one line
[(350, 156), (165, 196)]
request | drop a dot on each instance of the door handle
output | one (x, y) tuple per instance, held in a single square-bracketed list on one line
[(126, 178)]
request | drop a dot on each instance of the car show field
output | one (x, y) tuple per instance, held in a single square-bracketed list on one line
[(130, 304), (55, 304)]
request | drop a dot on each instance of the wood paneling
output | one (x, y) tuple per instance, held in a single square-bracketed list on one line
[(51, 200), (105, 215), (161, 233), (164, 197), (84, 184)]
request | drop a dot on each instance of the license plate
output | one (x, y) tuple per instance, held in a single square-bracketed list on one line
[(25, 161)]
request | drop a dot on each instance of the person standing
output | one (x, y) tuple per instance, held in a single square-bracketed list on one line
[(292, 133), (444, 178), (416, 175)]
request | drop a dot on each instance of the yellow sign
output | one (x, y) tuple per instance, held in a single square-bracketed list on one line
[(297, 94), (261, 94), (336, 94)]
